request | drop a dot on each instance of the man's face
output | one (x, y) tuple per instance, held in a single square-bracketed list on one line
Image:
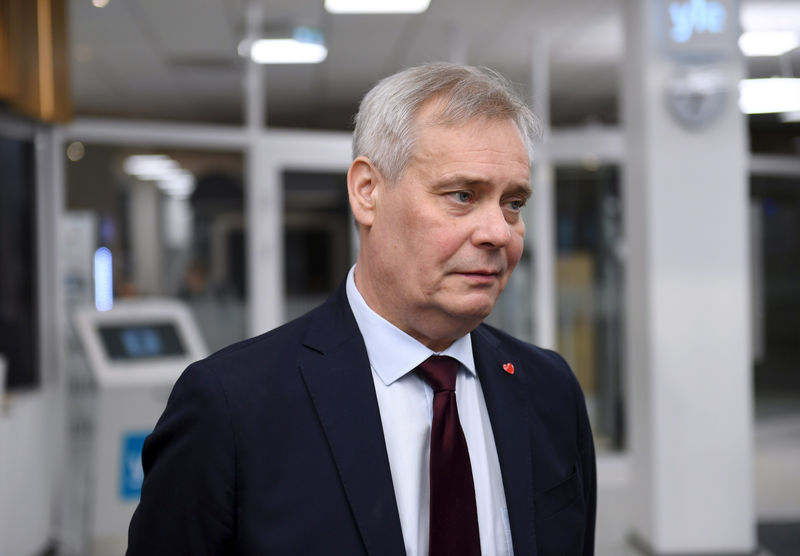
[(445, 237)]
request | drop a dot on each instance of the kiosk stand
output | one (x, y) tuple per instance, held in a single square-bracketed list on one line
[(135, 352)]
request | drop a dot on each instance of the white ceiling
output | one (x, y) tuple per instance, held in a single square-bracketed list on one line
[(176, 59)]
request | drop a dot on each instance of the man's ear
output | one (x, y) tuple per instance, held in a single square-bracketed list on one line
[(363, 179)]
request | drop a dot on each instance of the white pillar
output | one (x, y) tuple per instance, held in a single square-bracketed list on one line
[(254, 100), (144, 211), (541, 237), (688, 353), (263, 199)]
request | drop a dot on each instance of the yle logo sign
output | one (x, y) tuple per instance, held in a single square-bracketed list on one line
[(696, 17)]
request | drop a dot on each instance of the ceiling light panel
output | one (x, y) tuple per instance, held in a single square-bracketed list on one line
[(287, 51), (770, 16), (376, 6), (768, 43), (772, 95)]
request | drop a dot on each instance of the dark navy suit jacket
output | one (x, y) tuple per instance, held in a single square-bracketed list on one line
[(274, 446)]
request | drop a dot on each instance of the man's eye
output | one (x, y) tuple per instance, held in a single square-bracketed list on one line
[(516, 205), (463, 196)]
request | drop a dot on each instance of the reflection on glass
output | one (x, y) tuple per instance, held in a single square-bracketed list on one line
[(512, 312), (589, 276), (19, 336), (175, 232), (317, 237), (775, 250)]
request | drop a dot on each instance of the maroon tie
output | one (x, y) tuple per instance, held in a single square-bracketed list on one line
[(454, 515)]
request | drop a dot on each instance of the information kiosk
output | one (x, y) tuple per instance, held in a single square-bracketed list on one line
[(135, 351)]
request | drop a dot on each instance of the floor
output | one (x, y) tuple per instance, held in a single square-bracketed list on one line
[(777, 464), (777, 484)]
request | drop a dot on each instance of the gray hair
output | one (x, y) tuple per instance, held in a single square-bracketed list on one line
[(384, 126)]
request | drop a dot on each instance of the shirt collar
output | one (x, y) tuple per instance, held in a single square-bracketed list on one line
[(393, 353)]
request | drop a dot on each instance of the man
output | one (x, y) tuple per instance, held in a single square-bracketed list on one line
[(338, 433)]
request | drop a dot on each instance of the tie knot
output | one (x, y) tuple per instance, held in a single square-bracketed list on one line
[(440, 372)]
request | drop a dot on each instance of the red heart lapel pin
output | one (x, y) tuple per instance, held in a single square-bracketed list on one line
[(509, 368)]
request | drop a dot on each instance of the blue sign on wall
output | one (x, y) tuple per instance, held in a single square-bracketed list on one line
[(702, 29), (131, 472), (696, 17)]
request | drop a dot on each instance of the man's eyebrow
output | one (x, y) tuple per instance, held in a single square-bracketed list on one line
[(524, 189), (472, 180), (460, 179)]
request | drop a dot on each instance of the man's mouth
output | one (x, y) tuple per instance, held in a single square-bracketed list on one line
[(481, 275)]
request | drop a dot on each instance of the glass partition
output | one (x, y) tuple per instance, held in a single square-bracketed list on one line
[(174, 223), (775, 254), (19, 338), (589, 282), (317, 237)]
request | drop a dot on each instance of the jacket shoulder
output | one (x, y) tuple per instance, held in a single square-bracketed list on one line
[(540, 364), (284, 336)]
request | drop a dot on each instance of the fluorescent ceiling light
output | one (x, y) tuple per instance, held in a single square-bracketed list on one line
[(287, 51), (150, 166), (180, 185), (376, 6), (768, 43), (770, 16), (764, 96), (305, 45), (170, 177)]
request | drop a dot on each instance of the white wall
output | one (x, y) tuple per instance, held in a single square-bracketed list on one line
[(32, 429), (687, 307), (28, 440)]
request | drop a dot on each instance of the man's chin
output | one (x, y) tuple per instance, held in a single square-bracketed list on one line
[(474, 307)]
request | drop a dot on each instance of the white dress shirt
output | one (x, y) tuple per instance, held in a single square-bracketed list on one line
[(405, 402)]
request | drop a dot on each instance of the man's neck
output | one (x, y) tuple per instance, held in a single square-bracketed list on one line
[(436, 342)]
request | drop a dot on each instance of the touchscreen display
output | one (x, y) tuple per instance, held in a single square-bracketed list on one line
[(141, 341)]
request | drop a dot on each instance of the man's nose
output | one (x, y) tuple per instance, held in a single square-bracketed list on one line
[(491, 229)]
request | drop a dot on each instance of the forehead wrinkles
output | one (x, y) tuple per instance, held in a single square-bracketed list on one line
[(437, 113), (429, 118), (472, 141)]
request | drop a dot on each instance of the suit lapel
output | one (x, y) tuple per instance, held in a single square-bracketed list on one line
[(508, 412), (337, 374)]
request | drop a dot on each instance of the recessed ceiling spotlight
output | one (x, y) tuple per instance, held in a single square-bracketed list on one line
[(100, 3), (376, 6), (76, 151)]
